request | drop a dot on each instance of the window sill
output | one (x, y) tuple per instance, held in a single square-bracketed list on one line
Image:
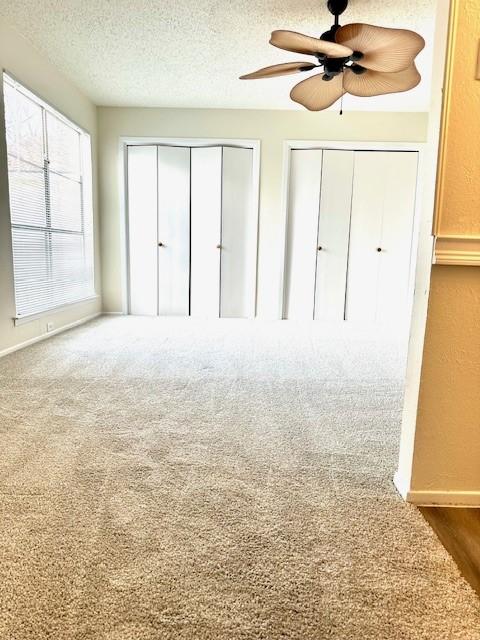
[(19, 320)]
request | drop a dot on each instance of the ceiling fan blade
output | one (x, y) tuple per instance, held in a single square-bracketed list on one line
[(293, 41), (376, 83), (316, 94), (383, 49), (279, 70)]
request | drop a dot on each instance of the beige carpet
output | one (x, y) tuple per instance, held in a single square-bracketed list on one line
[(232, 480)]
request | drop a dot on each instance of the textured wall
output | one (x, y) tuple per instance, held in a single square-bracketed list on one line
[(447, 444), (447, 439), (459, 195)]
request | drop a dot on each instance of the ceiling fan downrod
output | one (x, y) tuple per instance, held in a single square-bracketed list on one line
[(336, 8)]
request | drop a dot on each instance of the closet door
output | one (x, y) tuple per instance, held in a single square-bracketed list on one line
[(173, 240), (333, 234), (396, 238), (302, 229), (142, 229), (206, 207), (238, 235), (381, 233)]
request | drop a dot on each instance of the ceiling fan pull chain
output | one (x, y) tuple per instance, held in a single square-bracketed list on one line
[(343, 93)]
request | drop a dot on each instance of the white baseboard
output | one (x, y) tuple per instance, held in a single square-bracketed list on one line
[(49, 334), (435, 498), (444, 498), (114, 313)]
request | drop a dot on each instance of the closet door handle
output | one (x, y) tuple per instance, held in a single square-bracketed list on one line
[(320, 248), (219, 246), (379, 249), (160, 244)]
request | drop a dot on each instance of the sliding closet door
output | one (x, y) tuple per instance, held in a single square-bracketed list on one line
[(142, 229), (333, 234), (302, 229), (173, 231), (238, 235), (206, 231), (381, 233)]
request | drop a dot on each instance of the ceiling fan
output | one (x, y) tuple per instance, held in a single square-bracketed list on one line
[(360, 59)]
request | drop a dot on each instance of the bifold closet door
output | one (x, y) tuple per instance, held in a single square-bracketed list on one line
[(206, 208), (333, 234), (302, 228), (238, 235), (142, 229), (192, 231), (317, 234), (173, 239), (383, 204)]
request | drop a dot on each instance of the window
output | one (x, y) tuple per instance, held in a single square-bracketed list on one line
[(50, 186)]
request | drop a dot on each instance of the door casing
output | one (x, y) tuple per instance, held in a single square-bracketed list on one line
[(125, 142), (325, 145)]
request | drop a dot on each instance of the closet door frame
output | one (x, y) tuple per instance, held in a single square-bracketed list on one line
[(326, 145), (125, 142)]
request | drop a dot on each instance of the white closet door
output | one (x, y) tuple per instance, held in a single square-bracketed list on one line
[(333, 234), (173, 231), (396, 238), (206, 209), (142, 229), (302, 228), (380, 238), (238, 235)]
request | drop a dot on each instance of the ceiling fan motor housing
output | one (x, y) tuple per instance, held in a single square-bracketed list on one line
[(333, 66)]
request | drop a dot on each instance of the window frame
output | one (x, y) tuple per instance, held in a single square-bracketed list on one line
[(85, 182)]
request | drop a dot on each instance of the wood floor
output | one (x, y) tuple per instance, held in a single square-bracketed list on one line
[(459, 532)]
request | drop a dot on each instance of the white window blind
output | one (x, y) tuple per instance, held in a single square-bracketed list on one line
[(50, 186)]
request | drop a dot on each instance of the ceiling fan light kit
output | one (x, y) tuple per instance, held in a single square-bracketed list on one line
[(360, 59)]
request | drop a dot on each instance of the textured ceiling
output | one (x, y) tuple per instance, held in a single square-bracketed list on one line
[(189, 53)]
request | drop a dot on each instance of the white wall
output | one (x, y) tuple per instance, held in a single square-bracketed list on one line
[(271, 128), (22, 61)]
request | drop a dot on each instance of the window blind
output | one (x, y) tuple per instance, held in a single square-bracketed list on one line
[(50, 188)]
